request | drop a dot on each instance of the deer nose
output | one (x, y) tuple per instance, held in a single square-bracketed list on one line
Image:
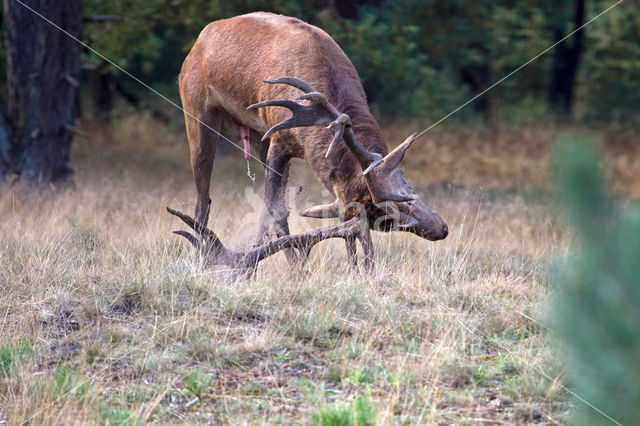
[(445, 231)]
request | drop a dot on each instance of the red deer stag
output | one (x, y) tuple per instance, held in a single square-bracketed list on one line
[(243, 72)]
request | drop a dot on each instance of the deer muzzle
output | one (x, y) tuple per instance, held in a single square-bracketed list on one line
[(414, 217), (425, 222)]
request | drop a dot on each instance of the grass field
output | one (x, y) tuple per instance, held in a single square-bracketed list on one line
[(106, 318)]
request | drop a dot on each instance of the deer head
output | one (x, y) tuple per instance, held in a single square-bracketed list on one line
[(394, 205), (404, 211)]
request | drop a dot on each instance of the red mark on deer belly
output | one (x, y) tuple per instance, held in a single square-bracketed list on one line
[(244, 135)]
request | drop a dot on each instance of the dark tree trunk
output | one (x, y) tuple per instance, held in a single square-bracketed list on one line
[(478, 77), (6, 163), (565, 64), (101, 88), (43, 70)]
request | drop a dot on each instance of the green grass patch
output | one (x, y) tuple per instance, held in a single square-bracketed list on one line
[(197, 383), (10, 355), (359, 412)]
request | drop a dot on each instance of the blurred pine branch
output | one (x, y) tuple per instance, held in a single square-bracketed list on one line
[(596, 311)]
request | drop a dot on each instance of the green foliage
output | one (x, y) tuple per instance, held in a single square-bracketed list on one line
[(597, 303), (417, 58), (65, 382), (10, 355), (395, 69), (118, 417), (197, 383), (359, 412), (610, 75)]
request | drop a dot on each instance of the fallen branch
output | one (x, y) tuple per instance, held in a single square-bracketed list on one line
[(213, 251)]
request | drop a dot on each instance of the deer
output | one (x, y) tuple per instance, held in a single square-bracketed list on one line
[(289, 91)]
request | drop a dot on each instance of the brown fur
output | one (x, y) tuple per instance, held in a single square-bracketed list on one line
[(225, 72), (273, 46)]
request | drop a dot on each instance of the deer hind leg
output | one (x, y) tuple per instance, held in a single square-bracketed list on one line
[(276, 212), (202, 151)]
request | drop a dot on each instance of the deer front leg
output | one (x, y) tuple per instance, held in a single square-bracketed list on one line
[(275, 214), (352, 254), (367, 244)]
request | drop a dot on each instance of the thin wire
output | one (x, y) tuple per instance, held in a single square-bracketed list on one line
[(555, 381), (559, 384), (142, 83), (513, 72)]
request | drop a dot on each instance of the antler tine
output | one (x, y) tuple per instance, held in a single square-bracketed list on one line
[(303, 116), (367, 159), (207, 233), (338, 126), (318, 113), (191, 222), (277, 102), (192, 238), (295, 82), (305, 242)]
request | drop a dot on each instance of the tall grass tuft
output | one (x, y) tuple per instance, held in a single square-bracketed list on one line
[(10, 355), (597, 304), (359, 412)]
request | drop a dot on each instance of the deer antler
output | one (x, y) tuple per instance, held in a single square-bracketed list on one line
[(319, 113), (245, 262)]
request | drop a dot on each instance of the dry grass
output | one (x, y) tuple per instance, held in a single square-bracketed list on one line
[(106, 318), (515, 158)]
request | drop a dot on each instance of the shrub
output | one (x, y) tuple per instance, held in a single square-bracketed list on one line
[(596, 312)]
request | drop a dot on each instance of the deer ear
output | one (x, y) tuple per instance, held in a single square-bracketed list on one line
[(393, 159), (326, 211)]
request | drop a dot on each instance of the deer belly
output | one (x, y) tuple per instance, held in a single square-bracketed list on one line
[(217, 99)]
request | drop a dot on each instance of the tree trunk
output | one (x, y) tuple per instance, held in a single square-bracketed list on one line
[(6, 165), (565, 64), (43, 70), (101, 88), (478, 77)]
